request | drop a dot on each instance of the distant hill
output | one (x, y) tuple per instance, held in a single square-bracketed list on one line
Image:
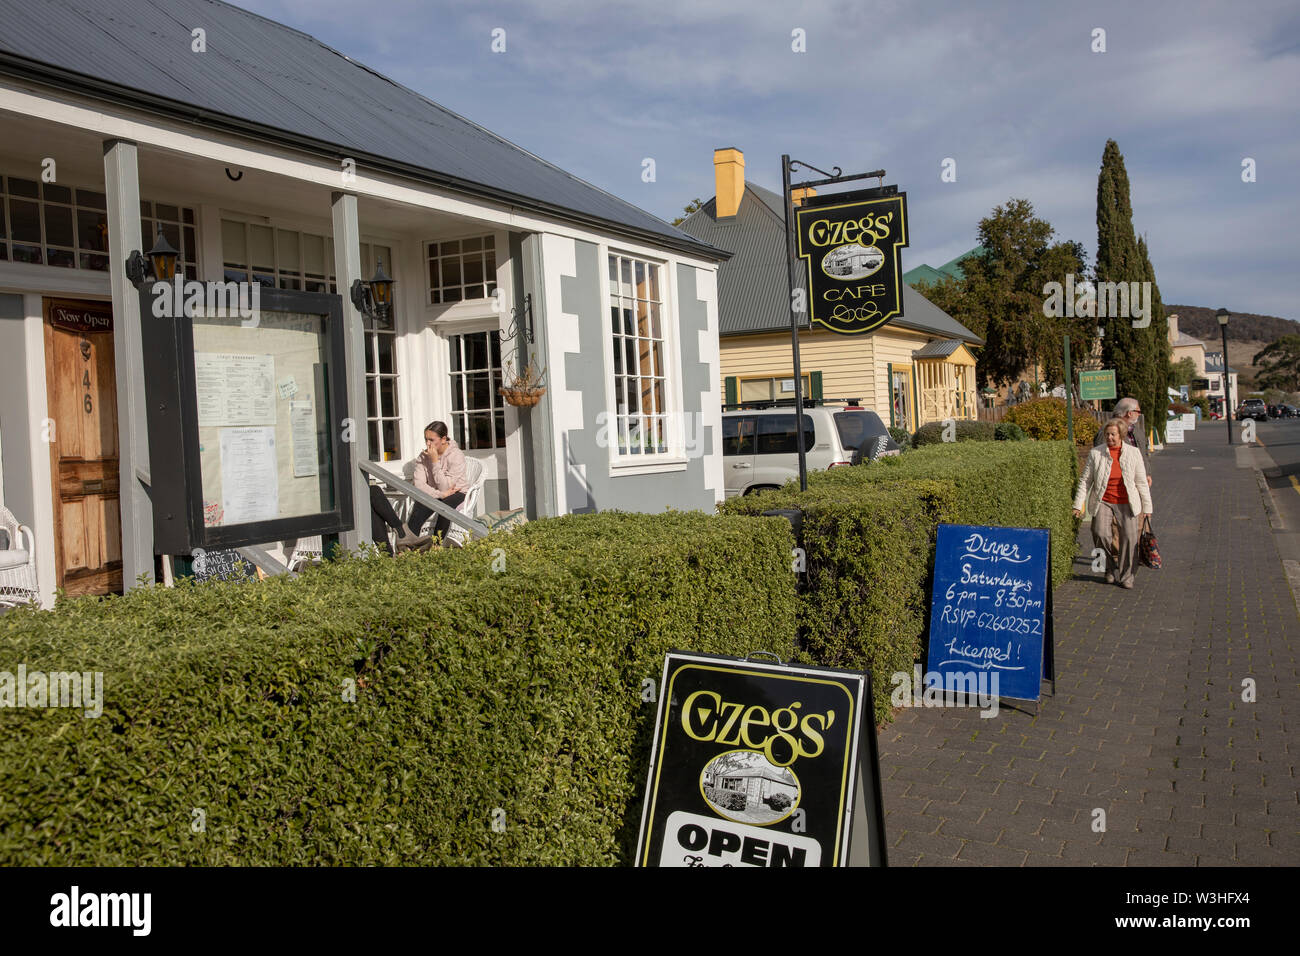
[(1202, 324)]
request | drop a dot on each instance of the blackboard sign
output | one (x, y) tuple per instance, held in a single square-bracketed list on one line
[(990, 611), (225, 565), (758, 764)]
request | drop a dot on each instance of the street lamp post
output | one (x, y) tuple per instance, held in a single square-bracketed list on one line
[(1222, 316)]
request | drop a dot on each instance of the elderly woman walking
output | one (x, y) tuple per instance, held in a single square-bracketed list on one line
[(1114, 489)]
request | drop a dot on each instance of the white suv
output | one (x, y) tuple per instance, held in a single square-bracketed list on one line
[(760, 450)]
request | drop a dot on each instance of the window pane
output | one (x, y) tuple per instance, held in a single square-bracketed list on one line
[(234, 246), (390, 441), (452, 294), (495, 338), (22, 187), (480, 390), (654, 283), (618, 358), (474, 271), (388, 397), (756, 390), (476, 350), (313, 254), (370, 356), (450, 247), (92, 200), (170, 213), (480, 430), (450, 272), (287, 246), (376, 453), (55, 193), (458, 393), (261, 247), (387, 344), (188, 251), (29, 254), (61, 257), (25, 220), (472, 245), (501, 429), (371, 410), (655, 329), (58, 226)]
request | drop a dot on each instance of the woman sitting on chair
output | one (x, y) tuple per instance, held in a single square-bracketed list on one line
[(439, 471)]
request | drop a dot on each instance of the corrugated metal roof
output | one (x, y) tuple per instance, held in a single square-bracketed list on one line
[(291, 88), (940, 348), (753, 291), (753, 294), (923, 273)]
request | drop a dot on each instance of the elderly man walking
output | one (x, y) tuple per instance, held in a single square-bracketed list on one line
[(1130, 409)]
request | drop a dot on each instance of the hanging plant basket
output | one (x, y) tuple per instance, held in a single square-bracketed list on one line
[(522, 397)]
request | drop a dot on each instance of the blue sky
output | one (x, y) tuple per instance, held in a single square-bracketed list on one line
[(1012, 91)]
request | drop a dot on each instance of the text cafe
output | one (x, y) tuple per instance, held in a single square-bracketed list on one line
[(498, 260)]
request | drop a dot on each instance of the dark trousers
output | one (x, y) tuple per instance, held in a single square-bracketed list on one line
[(383, 517), (442, 525)]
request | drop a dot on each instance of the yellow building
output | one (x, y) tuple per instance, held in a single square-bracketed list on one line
[(916, 369)]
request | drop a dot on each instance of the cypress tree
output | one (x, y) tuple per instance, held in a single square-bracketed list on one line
[(1140, 357)]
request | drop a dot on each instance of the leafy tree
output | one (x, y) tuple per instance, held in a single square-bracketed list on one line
[(1182, 372), (1279, 364), (1001, 295), (691, 207), (1140, 356)]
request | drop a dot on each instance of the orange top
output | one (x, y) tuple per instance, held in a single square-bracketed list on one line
[(1115, 490)]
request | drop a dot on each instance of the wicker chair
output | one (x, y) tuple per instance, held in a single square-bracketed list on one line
[(474, 474), (17, 563)]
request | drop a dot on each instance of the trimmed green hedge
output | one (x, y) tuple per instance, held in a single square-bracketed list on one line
[(484, 693), (962, 430), (868, 548), (869, 533)]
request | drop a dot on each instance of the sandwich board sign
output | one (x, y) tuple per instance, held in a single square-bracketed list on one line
[(760, 764), (991, 611)]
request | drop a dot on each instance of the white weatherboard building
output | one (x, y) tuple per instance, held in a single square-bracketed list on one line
[(265, 156)]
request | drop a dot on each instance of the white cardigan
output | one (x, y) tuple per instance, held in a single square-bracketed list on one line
[(1096, 473)]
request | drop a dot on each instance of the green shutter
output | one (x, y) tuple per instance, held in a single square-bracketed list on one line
[(815, 385), (890, 380), (731, 389)]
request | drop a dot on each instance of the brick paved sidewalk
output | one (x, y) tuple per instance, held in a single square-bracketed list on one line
[(1148, 721)]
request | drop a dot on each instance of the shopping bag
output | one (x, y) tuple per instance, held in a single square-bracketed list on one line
[(1148, 548)]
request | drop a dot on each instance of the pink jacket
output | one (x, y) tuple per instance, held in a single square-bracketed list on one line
[(445, 474)]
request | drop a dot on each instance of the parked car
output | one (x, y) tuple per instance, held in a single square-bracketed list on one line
[(1287, 411), (760, 450), (1252, 408), (1274, 411)]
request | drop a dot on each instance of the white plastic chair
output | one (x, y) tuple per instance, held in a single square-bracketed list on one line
[(474, 475), (17, 563)]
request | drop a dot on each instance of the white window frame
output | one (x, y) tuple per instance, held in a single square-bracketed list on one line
[(465, 309), (674, 459), (499, 403)]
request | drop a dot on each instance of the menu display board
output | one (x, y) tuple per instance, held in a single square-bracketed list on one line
[(264, 451), (990, 609)]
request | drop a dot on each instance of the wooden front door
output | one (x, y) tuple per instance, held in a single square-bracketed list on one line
[(82, 394)]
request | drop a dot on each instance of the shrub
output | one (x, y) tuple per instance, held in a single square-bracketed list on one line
[(868, 535), (1085, 430), (1044, 420), (778, 801), (902, 437), (476, 690), (1180, 408), (727, 799), (1009, 431), (932, 433)]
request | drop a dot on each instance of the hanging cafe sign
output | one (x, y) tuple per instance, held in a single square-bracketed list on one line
[(851, 243)]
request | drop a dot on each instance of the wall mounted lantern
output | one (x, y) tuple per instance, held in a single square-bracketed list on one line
[(159, 264), (374, 298)]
